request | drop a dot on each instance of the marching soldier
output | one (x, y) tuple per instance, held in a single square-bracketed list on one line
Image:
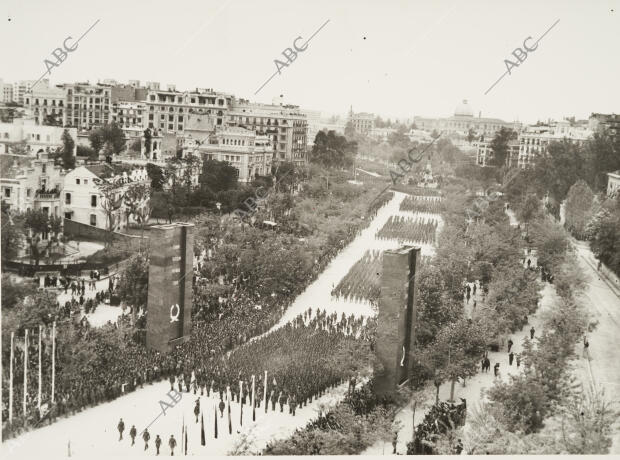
[(121, 428), (146, 436), (157, 443), (172, 443), (133, 432)]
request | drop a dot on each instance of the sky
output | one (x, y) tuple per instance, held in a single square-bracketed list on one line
[(395, 58)]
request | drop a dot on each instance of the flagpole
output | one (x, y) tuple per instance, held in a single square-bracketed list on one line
[(25, 370), (11, 381), (241, 402), (265, 397), (228, 395), (253, 398), (53, 358), (40, 371)]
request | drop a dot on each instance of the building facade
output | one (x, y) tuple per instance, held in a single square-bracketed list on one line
[(534, 140), (613, 183), (484, 152), (286, 126), (88, 105), (609, 123), (83, 201), (464, 120), (363, 123), (37, 186), (168, 110), (38, 138), (43, 101), (249, 153)]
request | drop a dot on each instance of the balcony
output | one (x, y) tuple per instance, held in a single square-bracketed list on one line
[(47, 195)]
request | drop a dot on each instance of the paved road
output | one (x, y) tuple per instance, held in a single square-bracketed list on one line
[(602, 300)]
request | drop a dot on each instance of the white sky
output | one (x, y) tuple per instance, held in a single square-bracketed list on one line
[(395, 58)]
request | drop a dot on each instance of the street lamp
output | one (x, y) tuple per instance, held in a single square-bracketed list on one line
[(218, 205)]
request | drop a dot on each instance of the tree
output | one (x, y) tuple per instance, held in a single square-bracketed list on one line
[(137, 204), (20, 148), (349, 130), (455, 352), (471, 135), (218, 176), (157, 176), (499, 146), (604, 231), (579, 208), (68, 145), (52, 119), (602, 155), (11, 234), (96, 140), (560, 168), (133, 282), (332, 150), (163, 206), (85, 151), (111, 203), (41, 226), (148, 137)]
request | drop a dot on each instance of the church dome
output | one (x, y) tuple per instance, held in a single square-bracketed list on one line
[(463, 110)]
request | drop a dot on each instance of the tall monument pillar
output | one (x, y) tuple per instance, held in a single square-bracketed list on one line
[(397, 318), (169, 304)]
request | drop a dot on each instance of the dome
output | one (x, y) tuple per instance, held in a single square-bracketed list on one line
[(463, 110)]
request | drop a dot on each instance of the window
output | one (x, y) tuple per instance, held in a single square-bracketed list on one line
[(93, 201), (85, 181), (7, 192), (77, 181), (68, 215), (43, 168), (93, 220), (28, 192), (67, 198)]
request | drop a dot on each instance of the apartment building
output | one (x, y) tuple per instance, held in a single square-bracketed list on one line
[(83, 202), (285, 125), (43, 101), (36, 186), (484, 152), (6, 92), (464, 120), (534, 140), (38, 138), (249, 153), (168, 110), (88, 105), (363, 123), (609, 123)]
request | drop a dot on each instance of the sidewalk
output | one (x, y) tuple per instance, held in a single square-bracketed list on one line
[(475, 387)]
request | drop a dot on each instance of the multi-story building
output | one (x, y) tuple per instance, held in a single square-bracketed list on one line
[(88, 105), (42, 101), (609, 123), (22, 87), (38, 138), (168, 110), (613, 183), (84, 202), (37, 186), (362, 122), (286, 126), (314, 124), (484, 152), (534, 140), (464, 120), (6, 92), (128, 114), (249, 153)]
